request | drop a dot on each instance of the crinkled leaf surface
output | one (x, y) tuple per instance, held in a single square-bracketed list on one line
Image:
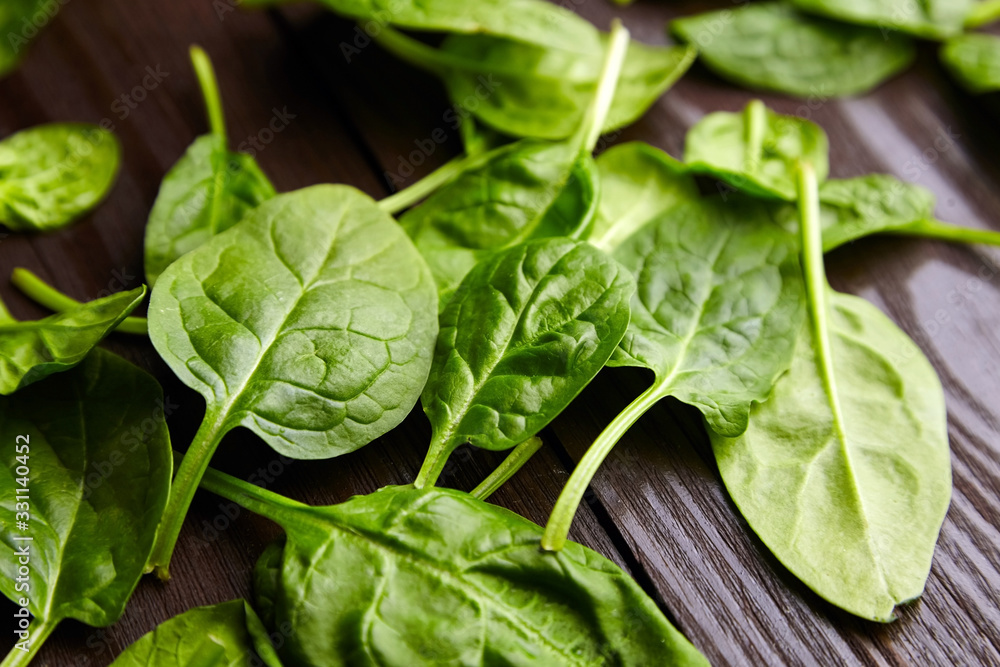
[(526, 190), (756, 151), (31, 351), (100, 462), (774, 47), (52, 174), (718, 305), (638, 184), (410, 576), (15, 41), (874, 485), (208, 191), (311, 322), (536, 91), (974, 60), (934, 19), (524, 334), (224, 635)]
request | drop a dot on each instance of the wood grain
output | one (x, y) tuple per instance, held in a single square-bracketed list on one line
[(658, 507)]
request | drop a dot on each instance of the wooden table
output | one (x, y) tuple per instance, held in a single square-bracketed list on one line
[(658, 506)]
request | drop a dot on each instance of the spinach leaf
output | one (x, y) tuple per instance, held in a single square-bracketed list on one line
[(638, 184), (311, 323), (208, 191), (933, 19), (18, 27), (536, 91), (91, 449), (522, 191), (716, 312), (756, 151), (50, 175), (228, 634), (528, 21), (527, 330), (974, 61), (31, 351), (409, 576), (851, 449), (772, 46)]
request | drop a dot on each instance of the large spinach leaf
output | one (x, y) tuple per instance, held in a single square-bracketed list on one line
[(50, 175), (851, 450), (638, 184), (409, 576), (19, 21), (228, 634), (526, 190), (312, 323), (756, 151), (718, 305), (31, 351), (974, 60), (208, 191), (934, 19), (523, 335), (89, 451), (774, 47), (536, 91)]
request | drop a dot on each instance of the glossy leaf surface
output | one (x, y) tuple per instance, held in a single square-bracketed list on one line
[(934, 19)]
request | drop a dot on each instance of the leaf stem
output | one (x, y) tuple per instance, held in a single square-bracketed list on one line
[(755, 116), (934, 229), (597, 113), (210, 91), (557, 529), (189, 474), (5, 316), (437, 457), (407, 197), (514, 462), (417, 53), (44, 294), (252, 497), (982, 13), (38, 631)]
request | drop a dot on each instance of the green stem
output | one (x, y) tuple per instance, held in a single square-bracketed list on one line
[(419, 54), (935, 229), (597, 113), (189, 475), (514, 462), (982, 13), (38, 631), (427, 185), (557, 529), (210, 91), (437, 458), (755, 116), (252, 497), (44, 294), (5, 316)]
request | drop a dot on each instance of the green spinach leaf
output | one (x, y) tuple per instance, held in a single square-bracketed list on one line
[(974, 61), (31, 351), (91, 449), (772, 46), (756, 151), (934, 19), (224, 635), (409, 576), (208, 191), (18, 25), (536, 91), (311, 322), (851, 449), (638, 184), (527, 330), (50, 175)]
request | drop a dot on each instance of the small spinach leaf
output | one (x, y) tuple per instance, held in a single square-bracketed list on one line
[(50, 175), (18, 26), (934, 19), (311, 322), (851, 449), (31, 351), (89, 471), (527, 330), (208, 191), (756, 151), (974, 60), (772, 46), (225, 635), (409, 576)]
